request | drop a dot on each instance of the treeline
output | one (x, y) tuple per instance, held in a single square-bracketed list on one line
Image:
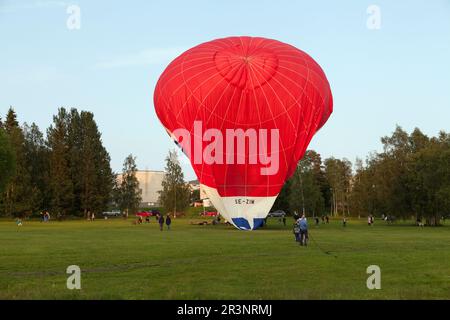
[(67, 171), (410, 179), (317, 187)]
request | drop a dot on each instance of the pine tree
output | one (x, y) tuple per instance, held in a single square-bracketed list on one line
[(96, 174), (17, 199), (11, 120), (37, 162), (175, 193), (7, 160), (129, 194), (60, 175), (75, 160), (305, 195)]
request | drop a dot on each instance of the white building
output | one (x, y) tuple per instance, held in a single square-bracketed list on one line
[(150, 182)]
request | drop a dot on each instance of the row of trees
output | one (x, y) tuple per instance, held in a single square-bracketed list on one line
[(409, 179), (67, 171), (317, 187)]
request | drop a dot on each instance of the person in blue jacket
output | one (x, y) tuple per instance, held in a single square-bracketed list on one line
[(303, 226)]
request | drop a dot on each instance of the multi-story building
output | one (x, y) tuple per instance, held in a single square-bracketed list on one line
[(150, 182)]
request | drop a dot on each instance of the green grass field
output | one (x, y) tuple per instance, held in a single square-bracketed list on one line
[(124, 261)]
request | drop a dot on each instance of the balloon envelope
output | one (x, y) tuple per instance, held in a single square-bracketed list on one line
[(244, 110)]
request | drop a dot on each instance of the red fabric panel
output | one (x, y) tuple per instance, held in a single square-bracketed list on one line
[(246, 82)]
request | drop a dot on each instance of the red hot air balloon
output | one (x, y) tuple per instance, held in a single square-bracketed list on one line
[(244, 110)]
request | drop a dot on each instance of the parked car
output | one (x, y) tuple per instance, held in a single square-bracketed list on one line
[(144, 214), (277, 214), (209, 213), (154, 213), (113, 213)]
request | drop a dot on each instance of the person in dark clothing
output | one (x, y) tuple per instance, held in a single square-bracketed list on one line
[(317, 221), (328, 219), (168, 222), (161, 223), (296, 232), (284, 221)]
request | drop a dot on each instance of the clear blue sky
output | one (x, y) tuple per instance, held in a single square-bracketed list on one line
[(399, 74)]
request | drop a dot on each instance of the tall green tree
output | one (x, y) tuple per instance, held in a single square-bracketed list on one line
[(38, 165), (307, 189), (96, 174), (305, 195), (339, 176), (431, 174), (282, 201), (17, 200), (175, 193), (7, 160), (60, 174), (129, 194), (76, 158)]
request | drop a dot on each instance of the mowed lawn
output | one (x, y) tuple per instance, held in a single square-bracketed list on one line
[(124, 261)]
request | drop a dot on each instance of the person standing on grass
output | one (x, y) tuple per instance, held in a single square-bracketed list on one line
[(168, 222), (328, 219), (161, 222), (344, 221), (303, 225), (296, 231)]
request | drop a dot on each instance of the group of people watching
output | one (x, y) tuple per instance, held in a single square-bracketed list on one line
[(325, 219), (159, 218), (161, 221)]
